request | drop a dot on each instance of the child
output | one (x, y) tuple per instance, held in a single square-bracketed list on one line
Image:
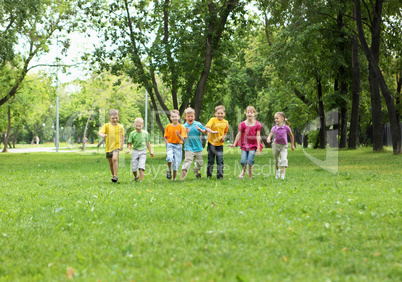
[(250, 141), (175, 133), (280, 145), (193, 145), (216, 140), (114, 134), (139, 139)]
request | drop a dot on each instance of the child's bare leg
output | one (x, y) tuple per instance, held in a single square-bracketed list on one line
[(183, 174), (174, 175), (111, 166), (250, 171), (169, 166), (141, 174), (283, 169), (115, 163), (135, 175)]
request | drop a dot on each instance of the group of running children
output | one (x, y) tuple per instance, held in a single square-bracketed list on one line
[(248, 139)]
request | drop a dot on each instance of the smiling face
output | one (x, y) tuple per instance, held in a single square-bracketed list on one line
[(138, 124), (114, 119), (250, 114), (174, 117), (220, 114), (278, 119), (190, 118)]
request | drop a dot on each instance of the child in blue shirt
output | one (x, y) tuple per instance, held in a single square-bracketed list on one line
[(192, 144)]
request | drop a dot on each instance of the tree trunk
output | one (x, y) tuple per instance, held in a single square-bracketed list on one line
[(389, 99), (215, 30), (6, 136), (321, 113), (354, 117)]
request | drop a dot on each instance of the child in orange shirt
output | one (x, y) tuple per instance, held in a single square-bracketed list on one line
[(175, 133)]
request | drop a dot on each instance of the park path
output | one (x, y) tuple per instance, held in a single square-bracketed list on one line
[(35, 149)]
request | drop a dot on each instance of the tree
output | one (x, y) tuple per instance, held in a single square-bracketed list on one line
[(30, 25), (174, 41)]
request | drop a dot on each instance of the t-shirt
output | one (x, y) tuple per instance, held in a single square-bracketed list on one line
[(193, 141), (281, 134), (222, 126), (248, 139), (113, 133), (170, 133), (139, 139)]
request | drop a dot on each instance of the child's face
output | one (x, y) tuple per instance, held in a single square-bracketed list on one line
[(138, 125), (174, 117), (220, 114), (190, 118), (114, 119), (278, 119), (250, 114)]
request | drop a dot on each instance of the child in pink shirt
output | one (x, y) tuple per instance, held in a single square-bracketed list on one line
[(249, 140), (280, 145)]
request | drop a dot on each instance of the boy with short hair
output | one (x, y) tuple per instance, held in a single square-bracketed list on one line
[(216, 141), (113, 133), (139, 139), (193, 145), (175, 133)]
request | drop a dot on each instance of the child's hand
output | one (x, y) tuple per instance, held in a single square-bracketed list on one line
[(293, 147), (268, 140), (103, 135), (223, 139), (258, 152), (232, 145), (198, 128), (177, 133), (128, 152), (188, 129), (152, 154), (214, 132)]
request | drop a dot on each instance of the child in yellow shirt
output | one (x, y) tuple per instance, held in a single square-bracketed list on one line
[(114, 134), (216, 140)]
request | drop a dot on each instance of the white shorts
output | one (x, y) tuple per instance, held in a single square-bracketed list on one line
[(280, 154), (138, 159)]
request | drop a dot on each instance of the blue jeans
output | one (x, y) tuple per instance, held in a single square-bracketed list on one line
[(173, 155), (215, 152), (247, 157)]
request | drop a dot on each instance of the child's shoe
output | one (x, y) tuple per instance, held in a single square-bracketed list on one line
[(114, 179), (278, 174), (168, 174), (241, 175), (283, 176)]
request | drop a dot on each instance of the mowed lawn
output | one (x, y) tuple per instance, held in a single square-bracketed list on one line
[(62, 218)]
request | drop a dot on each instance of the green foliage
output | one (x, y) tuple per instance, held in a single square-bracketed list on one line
[(61, 212)]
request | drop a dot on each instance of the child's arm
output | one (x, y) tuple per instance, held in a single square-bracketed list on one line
[(209, 130), (258, 142), (101, 134), (149, 149), (269, 137), (166, 141), (203, 131), (292, 140), (121, 140), (128, 148), (224, 137), (178, 135), (238, 135)]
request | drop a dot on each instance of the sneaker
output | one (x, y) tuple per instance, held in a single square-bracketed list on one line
[(241, 175), (198, 175), (278, 174), (168, 174), (136, 178), (282, 176)]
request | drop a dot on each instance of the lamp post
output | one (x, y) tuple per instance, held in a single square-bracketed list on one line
[(146, 110)]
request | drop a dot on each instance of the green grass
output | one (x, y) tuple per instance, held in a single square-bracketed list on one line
[(60, 211)]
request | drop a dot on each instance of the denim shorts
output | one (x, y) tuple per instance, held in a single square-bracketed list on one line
[(247, 157), (173, 155)]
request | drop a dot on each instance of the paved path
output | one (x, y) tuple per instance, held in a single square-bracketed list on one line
[(35, 149)]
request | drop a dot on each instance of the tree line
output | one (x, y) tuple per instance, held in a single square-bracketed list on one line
[(304, 58)]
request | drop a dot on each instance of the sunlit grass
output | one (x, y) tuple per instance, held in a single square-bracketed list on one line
[(61, 211)]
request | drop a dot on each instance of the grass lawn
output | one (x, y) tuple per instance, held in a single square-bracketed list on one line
[(61, 217)]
